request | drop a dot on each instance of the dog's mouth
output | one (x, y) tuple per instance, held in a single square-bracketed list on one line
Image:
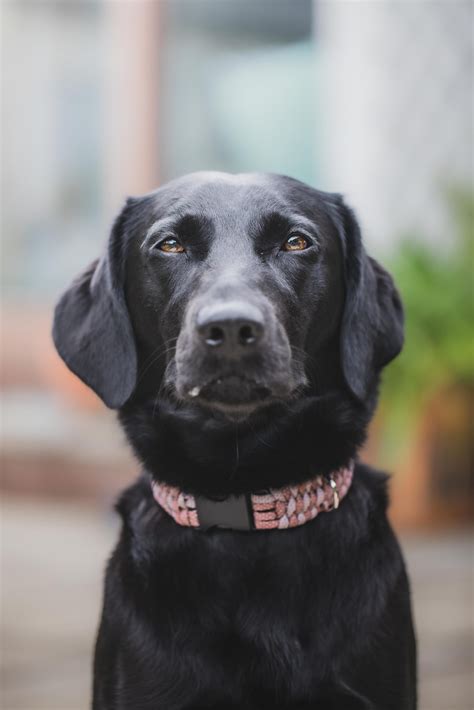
[(231, 391)]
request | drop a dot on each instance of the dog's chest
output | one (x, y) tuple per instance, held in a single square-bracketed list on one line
[(258, 608), (246, 615)]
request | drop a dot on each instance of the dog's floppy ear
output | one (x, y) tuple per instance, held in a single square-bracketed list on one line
[(92, 330), (372, 323)]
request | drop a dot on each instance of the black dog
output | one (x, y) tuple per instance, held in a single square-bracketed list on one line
[(240, 329)]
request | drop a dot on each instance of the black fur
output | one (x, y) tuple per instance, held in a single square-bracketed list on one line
[(95, 305), (315, 617)]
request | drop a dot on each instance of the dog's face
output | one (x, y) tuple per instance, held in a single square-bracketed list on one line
[(231, 291), (230, 278)]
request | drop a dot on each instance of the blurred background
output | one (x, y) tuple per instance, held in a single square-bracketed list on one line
[(105, 99)]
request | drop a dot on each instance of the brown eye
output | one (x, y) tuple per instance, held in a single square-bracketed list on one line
[(170, 246), (295, 243)]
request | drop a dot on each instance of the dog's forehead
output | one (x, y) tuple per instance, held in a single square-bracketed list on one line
[(219, 195)]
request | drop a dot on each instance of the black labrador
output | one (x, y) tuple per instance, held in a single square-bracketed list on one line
[(239, 328)]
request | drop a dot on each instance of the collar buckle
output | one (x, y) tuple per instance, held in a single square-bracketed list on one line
[(233, 512)]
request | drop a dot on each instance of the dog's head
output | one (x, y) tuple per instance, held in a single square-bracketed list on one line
[(230, 293)]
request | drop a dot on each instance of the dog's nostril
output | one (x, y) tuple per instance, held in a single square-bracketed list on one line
[(247, 335), (215, 336), (232, 327)]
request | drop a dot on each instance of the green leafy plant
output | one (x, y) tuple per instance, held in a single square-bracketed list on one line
[(436, 288)]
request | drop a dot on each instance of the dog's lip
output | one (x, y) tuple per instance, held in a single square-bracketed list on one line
[(217, 389)]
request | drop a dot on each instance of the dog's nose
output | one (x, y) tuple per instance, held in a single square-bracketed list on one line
[(233, 327)]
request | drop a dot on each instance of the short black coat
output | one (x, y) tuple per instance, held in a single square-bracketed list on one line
[(315, 617)]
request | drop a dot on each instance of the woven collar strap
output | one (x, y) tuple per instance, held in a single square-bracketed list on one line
[(274, 509)]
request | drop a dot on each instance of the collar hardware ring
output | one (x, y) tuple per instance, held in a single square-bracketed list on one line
[(335, 491)]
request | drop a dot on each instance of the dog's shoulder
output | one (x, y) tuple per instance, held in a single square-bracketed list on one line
[(375, 486), (367, 508), (142, 518), (137, 495)]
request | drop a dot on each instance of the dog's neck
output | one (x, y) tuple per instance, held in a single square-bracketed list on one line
[(271, 509), (284, 445)]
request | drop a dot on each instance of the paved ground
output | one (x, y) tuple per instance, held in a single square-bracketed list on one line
[(52, 560)]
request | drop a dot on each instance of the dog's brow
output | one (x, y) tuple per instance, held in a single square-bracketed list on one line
[(298, 221), (290, 220), (161, 225)]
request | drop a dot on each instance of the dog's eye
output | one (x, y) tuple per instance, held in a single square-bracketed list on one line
[(296, 243), (170, 246)]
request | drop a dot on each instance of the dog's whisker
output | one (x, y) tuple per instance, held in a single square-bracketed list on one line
[(155, 356), (160, 391)]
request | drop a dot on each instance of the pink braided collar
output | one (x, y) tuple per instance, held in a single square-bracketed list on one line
[(276, 508)]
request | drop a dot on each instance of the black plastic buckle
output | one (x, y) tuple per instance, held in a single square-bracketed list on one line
[(234, 512)]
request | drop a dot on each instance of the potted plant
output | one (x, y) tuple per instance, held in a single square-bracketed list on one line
[(423, 429)]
